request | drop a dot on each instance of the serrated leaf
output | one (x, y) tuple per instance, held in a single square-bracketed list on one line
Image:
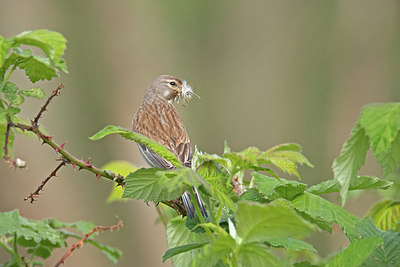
[(213, 252), (381, 123), (36, 67), (351, 159), (273, 188), (254, 195), (255, 255), (258, 223), (178, 250), (290, 243), (359, 182), (356, 253), (285, 147), (386, 215), (118, 167), (386, 255), (33, 92), (4, 46), (389, 160), (52, 43), (321, 209), (138, 138), (179, 235), (160, 184)]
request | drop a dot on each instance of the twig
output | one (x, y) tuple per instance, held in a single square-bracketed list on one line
[(40, 187), (97, 228), (44, 107), (6, 156)]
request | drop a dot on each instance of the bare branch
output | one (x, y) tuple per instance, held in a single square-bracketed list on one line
[(40, 187), (6, 156), (97, 228), (44, 107)]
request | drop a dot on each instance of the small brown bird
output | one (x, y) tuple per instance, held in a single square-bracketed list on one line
[(158, 119)]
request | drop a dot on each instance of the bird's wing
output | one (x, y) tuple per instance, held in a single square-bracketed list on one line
[(161, 122)]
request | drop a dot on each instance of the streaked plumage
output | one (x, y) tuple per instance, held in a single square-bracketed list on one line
[(158, 119)]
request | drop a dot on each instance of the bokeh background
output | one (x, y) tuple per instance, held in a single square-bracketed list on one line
[(267, 72)]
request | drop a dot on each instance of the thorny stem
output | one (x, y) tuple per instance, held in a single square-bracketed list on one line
[(44, 107), (41, 186), (6, 156), (97, 228)]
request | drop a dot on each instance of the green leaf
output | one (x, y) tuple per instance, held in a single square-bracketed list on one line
[(33, 92), (381, 123), (351, 159), (273, 188), (255, 255), (356, 253), (82, 226), (254, 195), (359, 182), (290, 243), (389, 160), (285, 147), (4, 46), (36, 67), (118, 167), (160, 184), (215, 251), (138, 138), (52, 43), (179, 235), (219, 189), (11, 137), (386, 215), (178, 250), (320, 209), (386, 255), (258, 223)]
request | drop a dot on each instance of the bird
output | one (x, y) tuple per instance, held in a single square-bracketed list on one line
[(158, 119)]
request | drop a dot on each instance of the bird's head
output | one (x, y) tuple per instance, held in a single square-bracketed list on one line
[(170, 89)]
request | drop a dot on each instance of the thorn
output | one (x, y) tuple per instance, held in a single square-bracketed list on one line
[(62, 146), (98, 176), (56, 149), (74, 165)]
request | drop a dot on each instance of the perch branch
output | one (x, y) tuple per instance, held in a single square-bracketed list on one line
[(97, 228), (44, 107)]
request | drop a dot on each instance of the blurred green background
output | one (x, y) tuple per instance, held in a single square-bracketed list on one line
[(268, 72)]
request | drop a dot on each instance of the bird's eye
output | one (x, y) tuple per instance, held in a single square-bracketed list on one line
[(172, 83)]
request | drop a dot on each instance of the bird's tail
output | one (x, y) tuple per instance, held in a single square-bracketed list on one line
[(189, 205)]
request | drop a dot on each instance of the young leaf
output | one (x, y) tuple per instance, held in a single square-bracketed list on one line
[(82, 226), (359, 182), (356, 253), (178, 250), (179, 235), (386, 215), (351, 159), (255, 255), (52, 43), (386, 255), (33, 92), (4, 46), (138, 138), (318, 208), (258, 223), (381, 123), (273, 188)]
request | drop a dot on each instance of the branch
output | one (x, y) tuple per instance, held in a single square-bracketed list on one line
[(97, 228), (6, 156), (40, 187), (44, 107)]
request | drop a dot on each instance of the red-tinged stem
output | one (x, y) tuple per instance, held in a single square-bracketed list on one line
[(97, 228)]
